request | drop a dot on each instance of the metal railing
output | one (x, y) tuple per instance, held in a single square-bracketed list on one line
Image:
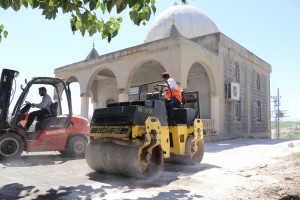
[(208, 126)]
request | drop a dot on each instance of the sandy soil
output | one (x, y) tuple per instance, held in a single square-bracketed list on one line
[(265, 169), (235, 169)]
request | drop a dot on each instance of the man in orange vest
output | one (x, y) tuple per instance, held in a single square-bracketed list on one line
[(172, 95)]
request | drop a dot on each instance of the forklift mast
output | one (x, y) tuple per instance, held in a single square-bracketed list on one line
[(6, 84)]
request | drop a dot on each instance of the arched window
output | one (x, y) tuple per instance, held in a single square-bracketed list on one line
[(258, 81), (258, 111), (238, 110), (237, 72)]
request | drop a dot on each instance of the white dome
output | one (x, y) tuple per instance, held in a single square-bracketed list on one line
[(189, 21)]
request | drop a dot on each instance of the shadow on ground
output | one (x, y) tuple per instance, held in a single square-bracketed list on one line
[(37, 160), (19, 191), (174, 194), (170, 173), (290, 197)]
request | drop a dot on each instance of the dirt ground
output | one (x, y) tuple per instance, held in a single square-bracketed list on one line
[(280, 180), (266, 169), (235, 169), (286, 176)]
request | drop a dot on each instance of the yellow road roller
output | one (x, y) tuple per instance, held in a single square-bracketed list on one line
[(135, 138)]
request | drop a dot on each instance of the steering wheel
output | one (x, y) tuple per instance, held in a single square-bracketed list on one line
[(25, 107), (28, 103), (161, 90), (158, 85)]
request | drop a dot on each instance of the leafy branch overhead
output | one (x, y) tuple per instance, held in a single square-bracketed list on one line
[(86, 14), (5, 33)]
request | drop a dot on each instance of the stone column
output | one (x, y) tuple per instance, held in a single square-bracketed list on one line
[(123, 95), (215, 112), (84, 105), (95, 105)]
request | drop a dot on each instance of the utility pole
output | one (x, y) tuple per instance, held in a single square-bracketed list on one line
[(277, 113)]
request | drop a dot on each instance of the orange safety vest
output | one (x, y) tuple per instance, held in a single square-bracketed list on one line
[(175, 93)]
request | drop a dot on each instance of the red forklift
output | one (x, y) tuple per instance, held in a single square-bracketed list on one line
[(58, 131)]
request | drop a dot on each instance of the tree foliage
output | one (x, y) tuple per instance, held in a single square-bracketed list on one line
[(86, 14), (2, 32)]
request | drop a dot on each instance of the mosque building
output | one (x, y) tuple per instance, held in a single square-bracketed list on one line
[(233, 83)]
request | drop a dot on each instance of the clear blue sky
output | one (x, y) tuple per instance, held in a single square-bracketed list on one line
[(269, 29)]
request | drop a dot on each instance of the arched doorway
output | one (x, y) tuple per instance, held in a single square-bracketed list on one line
[(198, 80), (103, 88), (75, 95), (147, 72)]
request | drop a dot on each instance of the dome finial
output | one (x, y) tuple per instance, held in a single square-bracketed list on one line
[(93, 53), (175, 3), (185, 2)]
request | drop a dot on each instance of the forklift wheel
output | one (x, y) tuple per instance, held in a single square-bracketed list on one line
[(11, 146), (76, 146)]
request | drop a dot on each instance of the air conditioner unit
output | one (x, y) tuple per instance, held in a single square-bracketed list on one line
[(233, 91)]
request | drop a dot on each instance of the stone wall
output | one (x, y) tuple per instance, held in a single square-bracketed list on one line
[(259, 95), (234, 125), (210, 42), (248, 124)]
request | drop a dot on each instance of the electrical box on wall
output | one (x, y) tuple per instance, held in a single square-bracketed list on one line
[(233, 91)]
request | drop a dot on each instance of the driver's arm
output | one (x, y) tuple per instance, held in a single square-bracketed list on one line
[(43, 103)]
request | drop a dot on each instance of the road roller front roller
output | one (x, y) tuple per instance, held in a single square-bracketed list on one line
[(133, 151), (136, 138)]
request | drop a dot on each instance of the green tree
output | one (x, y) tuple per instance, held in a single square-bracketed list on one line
[(2, 32), (86, 14)]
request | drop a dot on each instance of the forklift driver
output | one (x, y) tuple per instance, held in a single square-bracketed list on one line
[(44, 107)]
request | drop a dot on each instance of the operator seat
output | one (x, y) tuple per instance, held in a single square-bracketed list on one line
[(183, 96), (183, 114), (53, 112)]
